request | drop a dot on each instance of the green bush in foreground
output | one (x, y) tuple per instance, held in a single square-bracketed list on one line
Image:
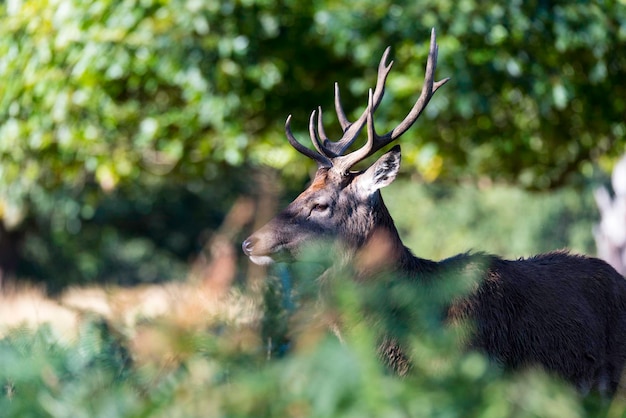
[(229, 370)]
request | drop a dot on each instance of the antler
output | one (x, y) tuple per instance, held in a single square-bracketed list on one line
[(330, 153), (351, 130), (326, 148)]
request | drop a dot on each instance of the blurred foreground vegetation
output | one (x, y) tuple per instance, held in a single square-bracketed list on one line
[(163, 368), (128, 130)]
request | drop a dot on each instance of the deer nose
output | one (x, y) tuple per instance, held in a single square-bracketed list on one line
[(248, 245)]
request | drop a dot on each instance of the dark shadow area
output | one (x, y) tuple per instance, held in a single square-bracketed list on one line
[(135, 234)]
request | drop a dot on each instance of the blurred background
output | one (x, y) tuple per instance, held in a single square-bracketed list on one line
[(128, 129), (142, 140)]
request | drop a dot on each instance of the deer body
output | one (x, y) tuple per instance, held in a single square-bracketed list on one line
[(566, 313)]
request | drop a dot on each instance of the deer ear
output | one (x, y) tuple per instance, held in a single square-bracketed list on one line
[(381, 173)]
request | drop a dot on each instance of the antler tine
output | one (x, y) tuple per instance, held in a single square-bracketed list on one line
[(428, 90), (343, 163), (375, 141), (320, 129), (315, 139), (341, 115), (351, 130), (322, 160)]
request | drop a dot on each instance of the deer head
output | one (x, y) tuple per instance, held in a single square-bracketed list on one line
[(341, 205)]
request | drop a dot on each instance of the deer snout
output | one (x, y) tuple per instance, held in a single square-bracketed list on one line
[(248, 245)]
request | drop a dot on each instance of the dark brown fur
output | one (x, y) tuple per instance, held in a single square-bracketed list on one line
[(564, 312)]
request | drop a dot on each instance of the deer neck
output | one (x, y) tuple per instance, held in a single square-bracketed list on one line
[(383, 249)]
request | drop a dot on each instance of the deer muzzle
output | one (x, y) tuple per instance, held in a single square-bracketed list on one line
[(249, 246)]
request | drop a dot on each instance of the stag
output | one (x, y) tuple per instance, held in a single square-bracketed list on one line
[(560, 311)]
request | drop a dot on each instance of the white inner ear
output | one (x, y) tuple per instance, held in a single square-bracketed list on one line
[(381, 173)]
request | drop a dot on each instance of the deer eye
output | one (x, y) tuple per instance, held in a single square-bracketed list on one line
[(320, 207)]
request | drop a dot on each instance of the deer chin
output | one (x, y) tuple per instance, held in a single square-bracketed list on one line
[(261, 260), (279, 255)]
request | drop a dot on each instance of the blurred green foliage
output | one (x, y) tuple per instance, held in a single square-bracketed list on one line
[(437, 222), (216, 374)]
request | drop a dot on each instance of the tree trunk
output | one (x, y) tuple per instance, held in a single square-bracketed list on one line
[(610, 233), (9, 252)]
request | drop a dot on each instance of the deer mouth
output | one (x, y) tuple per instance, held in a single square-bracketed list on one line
[(248, 247), (259, 256)]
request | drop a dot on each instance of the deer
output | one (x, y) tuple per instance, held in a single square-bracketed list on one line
[(563, 312)]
